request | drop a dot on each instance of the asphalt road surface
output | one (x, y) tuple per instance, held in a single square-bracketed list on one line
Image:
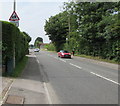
[(78, 80)]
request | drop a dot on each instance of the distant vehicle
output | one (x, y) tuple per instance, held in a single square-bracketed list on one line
[(36, 50), (64, 53)]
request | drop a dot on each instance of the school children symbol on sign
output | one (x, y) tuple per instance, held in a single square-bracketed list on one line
[(14, 17)]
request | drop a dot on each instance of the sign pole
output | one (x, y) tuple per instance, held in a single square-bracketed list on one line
[(14, 43), (14, 8), (15, 20), (14, 17)]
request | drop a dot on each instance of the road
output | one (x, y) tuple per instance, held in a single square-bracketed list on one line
[(78, 80)]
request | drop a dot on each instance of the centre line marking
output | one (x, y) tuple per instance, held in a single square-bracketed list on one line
[(63, 60), (38, 61), (55, 57), (75, 66), (105, 78)]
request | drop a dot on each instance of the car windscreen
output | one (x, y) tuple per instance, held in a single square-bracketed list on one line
[(65, 52)]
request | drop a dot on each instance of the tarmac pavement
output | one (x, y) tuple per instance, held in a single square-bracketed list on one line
[(4, 87), (27, 89)]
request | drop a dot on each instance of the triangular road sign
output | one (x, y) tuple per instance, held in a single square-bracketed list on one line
[(14, 17)]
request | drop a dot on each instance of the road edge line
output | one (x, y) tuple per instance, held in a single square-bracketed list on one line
[(47, 92)]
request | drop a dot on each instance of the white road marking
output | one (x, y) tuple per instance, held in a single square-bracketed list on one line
[(38, 61), (47, 92), (46, 89), (105, 78), (75, 66), (56, 57), (62, 60), (0, 103)]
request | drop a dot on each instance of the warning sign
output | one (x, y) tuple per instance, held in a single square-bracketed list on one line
[(14, 17)]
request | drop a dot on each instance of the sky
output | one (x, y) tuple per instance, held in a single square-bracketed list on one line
[(32, 14)]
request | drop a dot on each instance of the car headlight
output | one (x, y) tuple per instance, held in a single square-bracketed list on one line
[(62, 53)]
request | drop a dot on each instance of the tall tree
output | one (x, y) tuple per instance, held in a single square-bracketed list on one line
[(72, 38), (38, 42), (57, 28), (89, 15)]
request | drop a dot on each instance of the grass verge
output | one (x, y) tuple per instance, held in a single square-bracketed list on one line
[(98, 58), (19, 67)]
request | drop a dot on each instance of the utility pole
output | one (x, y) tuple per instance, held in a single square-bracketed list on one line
[(69, 23)]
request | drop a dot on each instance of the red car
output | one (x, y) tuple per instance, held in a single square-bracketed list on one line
[(64, 53)]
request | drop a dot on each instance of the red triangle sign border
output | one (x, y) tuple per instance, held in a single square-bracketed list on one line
[(11, 19)]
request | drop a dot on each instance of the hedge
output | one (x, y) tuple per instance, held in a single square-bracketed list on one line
[(13, 41)]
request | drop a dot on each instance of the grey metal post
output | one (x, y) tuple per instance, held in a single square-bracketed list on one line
[(14, 8), (14, 44)]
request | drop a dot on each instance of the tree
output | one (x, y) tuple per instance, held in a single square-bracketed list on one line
[(57, 28), (90, 14), (38, 42), (92, 28), (72, 37)]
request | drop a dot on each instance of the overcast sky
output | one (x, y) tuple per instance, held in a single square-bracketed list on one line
[(32, 14)]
